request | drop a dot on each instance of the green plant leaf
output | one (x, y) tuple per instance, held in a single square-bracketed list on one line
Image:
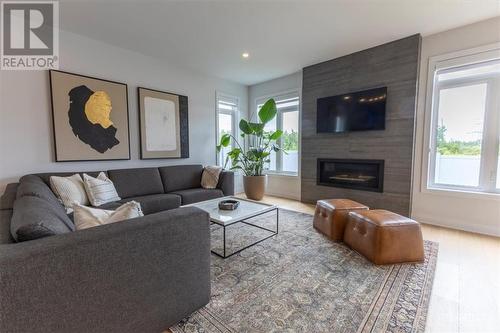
[(234, 154), (257, 128), (245, 127), (225, 140), (268, 111), (276, 135), (236, 167)]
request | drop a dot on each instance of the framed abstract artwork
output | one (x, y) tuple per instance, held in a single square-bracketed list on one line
[(163, 123), (90, 118)]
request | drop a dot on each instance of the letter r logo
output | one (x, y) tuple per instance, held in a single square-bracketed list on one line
[(28, 28)]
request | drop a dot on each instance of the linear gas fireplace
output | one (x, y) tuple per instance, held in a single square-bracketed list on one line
[(366, 175)]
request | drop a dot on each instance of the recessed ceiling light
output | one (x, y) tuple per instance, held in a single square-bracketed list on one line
[(245, 55)]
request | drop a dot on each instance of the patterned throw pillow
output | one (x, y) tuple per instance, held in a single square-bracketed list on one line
[(87, 217), (100, 190), (69, 190), (210, 176)]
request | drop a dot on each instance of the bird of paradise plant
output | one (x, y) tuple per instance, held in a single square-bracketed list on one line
[(257, 143)]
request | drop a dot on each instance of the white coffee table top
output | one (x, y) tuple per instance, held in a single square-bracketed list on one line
[(245, 210)]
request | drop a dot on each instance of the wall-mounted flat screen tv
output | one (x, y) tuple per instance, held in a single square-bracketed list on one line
[(357, 111)]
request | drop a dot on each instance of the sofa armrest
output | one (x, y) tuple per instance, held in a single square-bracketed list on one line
[(9, 196), (226, 182), (139, 275)]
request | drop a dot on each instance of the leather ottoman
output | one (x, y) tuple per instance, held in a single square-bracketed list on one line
[(331, 216), (384, 237)]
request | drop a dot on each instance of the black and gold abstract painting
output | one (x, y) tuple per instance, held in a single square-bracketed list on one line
[(90, 118)]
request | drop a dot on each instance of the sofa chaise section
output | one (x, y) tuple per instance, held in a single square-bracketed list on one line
[(139, 275)]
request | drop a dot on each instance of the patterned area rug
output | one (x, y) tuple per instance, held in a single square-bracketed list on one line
[(299, 281)]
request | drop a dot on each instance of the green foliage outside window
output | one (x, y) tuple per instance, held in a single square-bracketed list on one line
[(290, 141), (456, 147)]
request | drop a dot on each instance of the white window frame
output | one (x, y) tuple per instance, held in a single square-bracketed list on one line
[(235, 121), (279, 124), (491, 133)]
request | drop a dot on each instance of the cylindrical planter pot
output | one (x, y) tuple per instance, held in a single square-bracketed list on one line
[(255, 186)]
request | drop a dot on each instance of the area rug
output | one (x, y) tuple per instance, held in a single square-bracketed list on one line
[(299, 281)]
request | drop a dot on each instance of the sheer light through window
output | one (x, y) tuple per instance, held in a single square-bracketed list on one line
[(227, 114), (465, 152), (286, 120)]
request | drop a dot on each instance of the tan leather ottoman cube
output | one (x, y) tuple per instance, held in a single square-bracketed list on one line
[(330, 217), (384, 237)]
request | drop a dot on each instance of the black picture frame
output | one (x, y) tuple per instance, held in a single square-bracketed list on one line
[(54, 135), (183, 124)]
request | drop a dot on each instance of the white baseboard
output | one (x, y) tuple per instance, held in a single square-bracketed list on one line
[(459, 225), (281, 195)]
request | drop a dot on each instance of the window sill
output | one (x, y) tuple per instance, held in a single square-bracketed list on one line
[(462, 193), (281, 174)]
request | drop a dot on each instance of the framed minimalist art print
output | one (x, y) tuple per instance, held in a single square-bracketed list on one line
[(163, 123), (90, 118)]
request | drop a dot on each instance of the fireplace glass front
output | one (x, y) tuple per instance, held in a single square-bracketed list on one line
[(367, 175)]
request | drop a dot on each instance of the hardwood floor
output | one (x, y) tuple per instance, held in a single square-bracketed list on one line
[(466, 291)]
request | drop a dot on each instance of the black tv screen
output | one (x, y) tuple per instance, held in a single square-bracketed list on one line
[(358, 111)]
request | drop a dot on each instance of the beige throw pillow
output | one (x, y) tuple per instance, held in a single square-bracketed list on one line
[(100, 190), (69, 190), (87, 217), (210, 176)]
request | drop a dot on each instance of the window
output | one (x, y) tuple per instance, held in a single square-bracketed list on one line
[(465, 128), (227, 117), (286, 120)]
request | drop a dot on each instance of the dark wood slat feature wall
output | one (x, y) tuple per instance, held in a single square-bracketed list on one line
[(394, 65)]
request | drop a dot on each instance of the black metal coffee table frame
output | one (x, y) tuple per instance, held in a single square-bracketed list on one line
[(224, 226)]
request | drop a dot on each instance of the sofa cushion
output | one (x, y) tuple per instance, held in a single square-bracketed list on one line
[(5, 218), (45, 177), (34, 186), (181, 177), (9, 196), (210, 176), (33, 231), (33, 210), (88, 217), (136, 182), (100, 190), (155, 203), (107, 206), (111, 205), (198, 194), (69, 190)]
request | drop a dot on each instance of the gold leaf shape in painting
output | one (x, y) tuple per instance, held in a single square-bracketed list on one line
[(98, 109)]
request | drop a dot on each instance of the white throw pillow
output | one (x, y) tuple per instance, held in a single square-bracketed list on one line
[(100, 190), (210, 176), (69, 190), (87, 217)]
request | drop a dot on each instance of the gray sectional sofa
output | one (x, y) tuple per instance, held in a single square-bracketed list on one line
[(139, 275)]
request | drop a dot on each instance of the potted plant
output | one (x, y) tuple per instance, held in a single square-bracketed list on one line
[(255, 151)]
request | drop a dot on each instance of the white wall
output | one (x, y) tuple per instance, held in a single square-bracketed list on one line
[(476, 213), (283, 186), (26, 142)]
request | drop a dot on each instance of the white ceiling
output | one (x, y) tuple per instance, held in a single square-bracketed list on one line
[(281, 36)]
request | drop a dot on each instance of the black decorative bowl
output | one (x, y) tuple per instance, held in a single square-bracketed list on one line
[(229, 204)]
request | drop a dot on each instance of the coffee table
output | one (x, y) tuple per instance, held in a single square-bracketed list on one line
[(247, 209)]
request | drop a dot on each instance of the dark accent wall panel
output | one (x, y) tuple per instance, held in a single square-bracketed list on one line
[(394, 65)]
